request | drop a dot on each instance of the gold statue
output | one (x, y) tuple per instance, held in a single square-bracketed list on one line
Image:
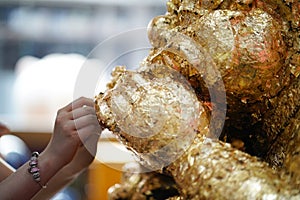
[(215, 105)]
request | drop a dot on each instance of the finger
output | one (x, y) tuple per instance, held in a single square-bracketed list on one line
[(86, 120), (82, 111), (65, 127), (77, 103), (89, 131), (81, 102), (90, 144)]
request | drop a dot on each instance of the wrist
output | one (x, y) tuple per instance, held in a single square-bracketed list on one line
[(49, 164), (52, 159), (55, 155)]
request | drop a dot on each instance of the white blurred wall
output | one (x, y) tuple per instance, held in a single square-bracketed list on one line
[(42, 86)]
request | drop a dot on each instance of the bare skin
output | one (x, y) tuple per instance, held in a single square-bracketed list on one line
[(64, 158)]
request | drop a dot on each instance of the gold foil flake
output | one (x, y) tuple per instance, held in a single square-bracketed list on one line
[(164, 104)]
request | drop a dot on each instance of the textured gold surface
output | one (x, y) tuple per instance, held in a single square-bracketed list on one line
[(158, 103), (246, 47), (136, 185), (253, 44), (214, 170), (207, 165), (283, 120), (251, 50)]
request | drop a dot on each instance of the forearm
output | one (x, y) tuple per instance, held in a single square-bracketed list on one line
[(66, 175), (21, 185), (62, 178), (5, 169)]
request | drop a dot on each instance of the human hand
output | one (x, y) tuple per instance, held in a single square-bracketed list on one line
[(75, 133), (83, 157)]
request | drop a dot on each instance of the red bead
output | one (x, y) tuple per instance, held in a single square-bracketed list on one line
[(34, 170), (33, 163)]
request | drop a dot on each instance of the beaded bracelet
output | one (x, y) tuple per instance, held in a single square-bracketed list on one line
[(34, 170)]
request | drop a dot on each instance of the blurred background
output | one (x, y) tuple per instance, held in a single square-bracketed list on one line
[(43, 46)]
